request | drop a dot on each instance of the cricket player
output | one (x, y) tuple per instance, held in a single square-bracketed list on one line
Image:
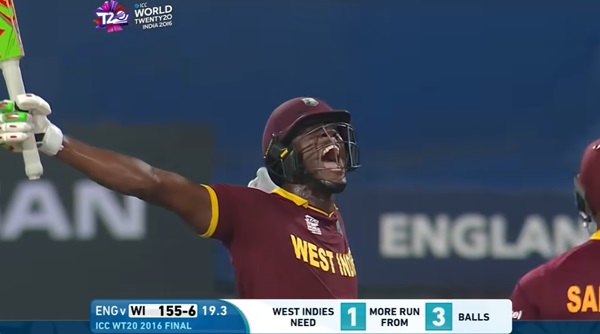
[(286, 240), (568, 286)]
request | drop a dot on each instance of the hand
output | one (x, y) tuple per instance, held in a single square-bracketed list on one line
[(28, 116), (262, 181)]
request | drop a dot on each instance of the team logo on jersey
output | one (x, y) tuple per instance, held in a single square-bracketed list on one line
[(312, 224), (309, 101)]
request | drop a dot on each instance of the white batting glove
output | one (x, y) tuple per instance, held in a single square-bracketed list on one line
[(25, 117), (262, 181)]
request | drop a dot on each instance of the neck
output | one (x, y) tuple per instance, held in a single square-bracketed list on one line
[(318, 199)]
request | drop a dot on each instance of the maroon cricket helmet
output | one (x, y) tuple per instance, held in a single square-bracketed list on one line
[(285, 123)]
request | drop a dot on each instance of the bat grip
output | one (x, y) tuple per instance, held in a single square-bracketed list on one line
[(14, 84)]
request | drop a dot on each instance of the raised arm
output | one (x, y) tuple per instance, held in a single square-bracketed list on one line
[(127, 175), (134, 177)]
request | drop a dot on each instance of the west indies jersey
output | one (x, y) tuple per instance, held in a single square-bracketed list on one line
[(565, 288), (280, 246)]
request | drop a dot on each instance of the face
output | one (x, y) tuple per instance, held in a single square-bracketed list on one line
[(323, 152)]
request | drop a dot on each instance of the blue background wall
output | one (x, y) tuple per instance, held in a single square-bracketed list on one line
[(444, 94), (467, 95)]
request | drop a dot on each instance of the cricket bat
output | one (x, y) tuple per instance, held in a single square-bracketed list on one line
[(11, 52)]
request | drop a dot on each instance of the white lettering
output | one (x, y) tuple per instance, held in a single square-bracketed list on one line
[(499, 243), (430, 237), (93, 202), (37, 207), (393, 235), (149, 11), (535, 237), (566, 234), (475, 236), (469, 236)]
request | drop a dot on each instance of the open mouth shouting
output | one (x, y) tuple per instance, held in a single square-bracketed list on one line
[(331, 158)]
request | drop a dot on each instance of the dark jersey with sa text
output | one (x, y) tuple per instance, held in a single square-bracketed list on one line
[(280, 246), (565, 288)]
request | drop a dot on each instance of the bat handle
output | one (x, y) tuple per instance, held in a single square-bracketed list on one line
[(14, 84)]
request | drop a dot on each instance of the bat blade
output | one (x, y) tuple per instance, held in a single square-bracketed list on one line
[(11, 45), (11, 52)]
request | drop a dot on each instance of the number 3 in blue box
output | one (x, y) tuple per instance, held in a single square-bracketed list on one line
[(438, 316), (353, 316)]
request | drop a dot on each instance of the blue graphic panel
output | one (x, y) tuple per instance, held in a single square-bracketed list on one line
[(353, 316), (438, 316)]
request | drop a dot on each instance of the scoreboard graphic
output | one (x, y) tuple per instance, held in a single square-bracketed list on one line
[(301, 316)]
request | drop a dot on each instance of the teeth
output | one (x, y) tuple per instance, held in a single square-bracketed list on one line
[(328, 148)]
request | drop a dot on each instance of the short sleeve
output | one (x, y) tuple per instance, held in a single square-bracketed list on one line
[(227, 201), (523, 300)]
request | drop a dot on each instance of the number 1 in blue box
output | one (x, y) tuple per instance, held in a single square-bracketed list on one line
[(353, 316), (438, 316)]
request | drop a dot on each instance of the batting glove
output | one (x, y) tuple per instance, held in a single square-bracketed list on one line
[(28, 116), (262, 181)]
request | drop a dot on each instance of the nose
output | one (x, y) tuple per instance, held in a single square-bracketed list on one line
[(332, 134)]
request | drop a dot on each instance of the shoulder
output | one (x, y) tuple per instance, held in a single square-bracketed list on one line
[(233, 198), (221, 190), (554, 267), (230, 208), (526, 294), (574, 257), (534, 277)]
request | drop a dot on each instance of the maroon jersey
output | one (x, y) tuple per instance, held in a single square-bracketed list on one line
[(280, 246), (565, 288)]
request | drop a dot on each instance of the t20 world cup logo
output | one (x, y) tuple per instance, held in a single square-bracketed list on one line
[(111, 16)]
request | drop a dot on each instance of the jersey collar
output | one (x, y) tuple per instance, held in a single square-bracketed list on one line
[(595, 236), (299, 201)]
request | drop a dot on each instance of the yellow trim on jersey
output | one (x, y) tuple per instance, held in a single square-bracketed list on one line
[(595, 236), (214, 210), (299, 201)]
